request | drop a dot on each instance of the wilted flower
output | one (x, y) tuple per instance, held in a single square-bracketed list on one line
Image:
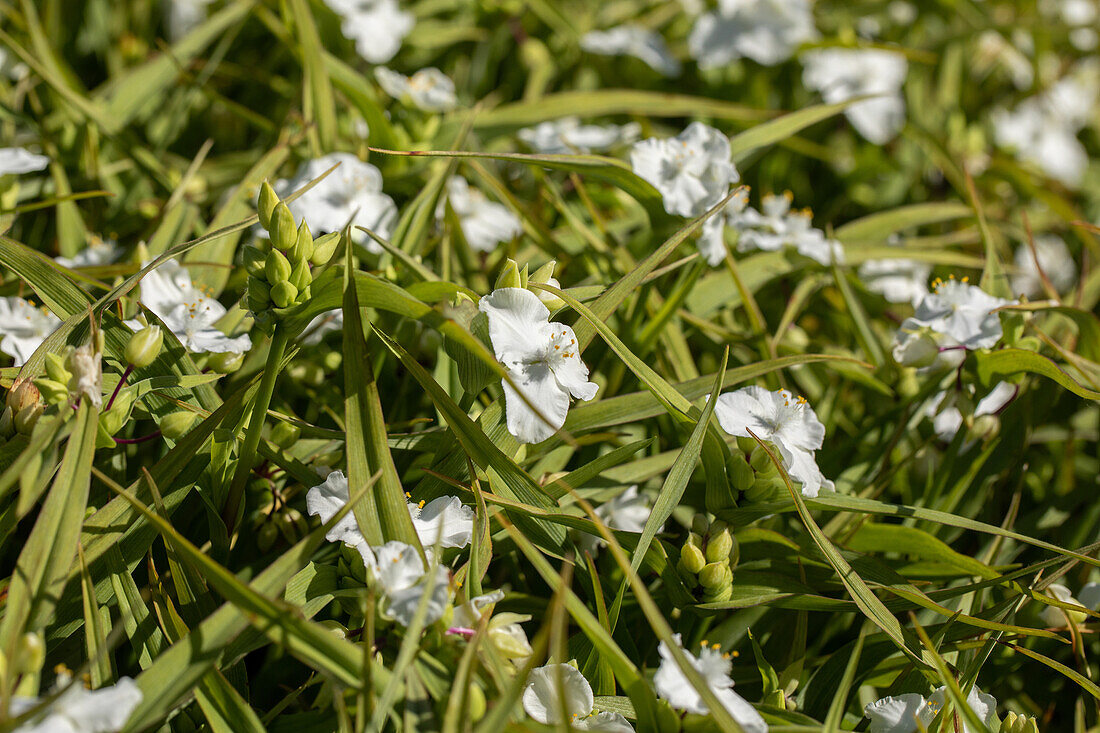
[(959, 313), (766, 31), (504, 630), (16, 161), (843, 73), (23, 328), (910, 712), (568, 135), (445, 520), (557, 687), (86, 366), (77, 710), (1053, 257), (485, 224), (787, 422), (377, 26), (692, 171), (636, 41), (187, 311), (429, 89), (542, 358), (673, 685)]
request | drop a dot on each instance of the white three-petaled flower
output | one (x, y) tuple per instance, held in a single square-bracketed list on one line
[(350, 195), (484, 223), (187, 311), (692, 171), (557, 688), (910, 712), (377, 26), (542, 358), (784, 420), (23, 328), (444, 519), (428, 89), (766, 31), (960, 314), (673, 685), (77, 710)]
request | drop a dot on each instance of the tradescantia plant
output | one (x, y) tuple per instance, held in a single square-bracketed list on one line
[(483, 366)]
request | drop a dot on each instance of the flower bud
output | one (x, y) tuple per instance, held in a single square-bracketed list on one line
[(225, 363), (300, 276), (1019, 723), (719, 546), (285, 435), (324, 247), (265, 204), (144, 346), (739, 471), (765, 488), (176, 425), (746, 443), (761, 461), (266, 536), (259, 295), (26, 418), (55, 369), (692, 560), (277, 267), (30, 654), (713, 575), (283, 231), (303, 244), (475, 703), (22, 394), (53, 392), (283, 294), (254, 261), (509, 277), (717, 595), (699, 525), (112, 420)]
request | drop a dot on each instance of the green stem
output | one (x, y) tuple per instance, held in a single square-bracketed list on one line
[(247, 456)]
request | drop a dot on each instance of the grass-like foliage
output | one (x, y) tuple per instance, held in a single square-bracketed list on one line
[(485, 365)]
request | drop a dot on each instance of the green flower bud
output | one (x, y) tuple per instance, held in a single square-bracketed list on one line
[(277, 267), (266, 536), (285, 435), (509, 277), (26, 418), (740, 472), (259, 294), (475, 703), (765, 488), (668, 720), (544, 274), (144, 346), (226, 363), (1018, 723), (324, 247), (746, 444), (22, 394), (699, 525), (254, 261), (283, 294), (176, 425), (761, 461), (112, 420), (300, 276), (713, 575), (53, 392), (717, 595), (265, 204), (283, 231), (303, 244), (55, 369), (692, 560), (719, 546), (30, 654)]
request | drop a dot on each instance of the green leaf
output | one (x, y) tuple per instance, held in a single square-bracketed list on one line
[(772, 131), (879, 226), (993, 366)]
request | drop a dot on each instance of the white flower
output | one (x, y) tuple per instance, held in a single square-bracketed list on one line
[(77, 710), (485, 224), (557, 687), (542, 358), (692, 171), (568, 135), (184, 16), (1089, 597), (673, 685), (843, 73), (627, 512), (18, 160), (961, 313), (187, 311), (23, 328), (429, 89), (899, 280), (405, 579), (351, 194), (1054, 259), (766, 31), (377, 26), (95, 254), (775, 226), (787, 422), (445, 520), (947, 418), (325, 500), (633, 40), (910, 712)]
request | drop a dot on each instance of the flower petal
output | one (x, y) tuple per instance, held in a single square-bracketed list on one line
[(546, 686)]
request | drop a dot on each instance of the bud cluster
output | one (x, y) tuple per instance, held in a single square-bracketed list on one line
[(279, 273), (514, 276), (752, 471), (708, 557), (22, 408), (1017, 723)]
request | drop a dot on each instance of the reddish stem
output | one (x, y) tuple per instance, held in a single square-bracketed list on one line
[(129, 368)]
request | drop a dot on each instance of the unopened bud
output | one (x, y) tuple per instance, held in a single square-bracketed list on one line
[(30, 654), (509, 277), (475, 703), (144, 346), (259, 294), (176, 425), (713, 575), (225, 363), (300, 276), (254, 261), (692, 559), (699, 524), (739, 471), (22, 394), (1018, 723), (285, 435), (283, 231), (761, 461), (112, 420), (266, 536), (54, 393), (303, 244), (719, 546), (26, 418), (277, 267), (55, 368), (324, 247), (283, 294), (717, 595), (7, 423), (265, 204)]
